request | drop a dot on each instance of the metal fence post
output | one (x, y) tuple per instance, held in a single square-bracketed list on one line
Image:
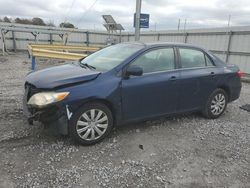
[(33, 63), (120, 36), (87, 38), (228, 45), (158, 37), (51, 38), (14, 41)]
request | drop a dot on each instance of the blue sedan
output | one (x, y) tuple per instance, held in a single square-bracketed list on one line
[(129, 82)]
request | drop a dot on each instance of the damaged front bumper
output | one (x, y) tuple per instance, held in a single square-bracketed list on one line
[(56, 115)]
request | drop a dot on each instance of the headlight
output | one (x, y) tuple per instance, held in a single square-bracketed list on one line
[(44, 98)]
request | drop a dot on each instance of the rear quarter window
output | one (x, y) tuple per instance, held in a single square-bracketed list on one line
[(208, 61)]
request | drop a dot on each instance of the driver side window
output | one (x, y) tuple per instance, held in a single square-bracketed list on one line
[(156, 60)]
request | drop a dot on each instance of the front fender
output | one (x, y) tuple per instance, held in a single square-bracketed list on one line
[(103, 89)]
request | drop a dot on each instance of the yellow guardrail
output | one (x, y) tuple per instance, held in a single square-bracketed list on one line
[(58, 52), (64, 47)]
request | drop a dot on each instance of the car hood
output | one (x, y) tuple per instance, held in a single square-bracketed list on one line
[(60, 76)]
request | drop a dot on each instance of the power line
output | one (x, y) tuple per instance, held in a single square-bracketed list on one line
[(89, 8), (71, 6)]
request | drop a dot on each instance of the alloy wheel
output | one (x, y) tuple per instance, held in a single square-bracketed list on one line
[(92, 124), (218, 104)]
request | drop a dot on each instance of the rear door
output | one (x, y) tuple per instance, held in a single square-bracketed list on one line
[(156, 91), (197, 78)]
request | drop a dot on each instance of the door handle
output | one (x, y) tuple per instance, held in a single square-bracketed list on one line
[(173, 78), (213, 74)]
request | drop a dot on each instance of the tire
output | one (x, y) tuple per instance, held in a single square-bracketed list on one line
[(216, 104), (91, 123)]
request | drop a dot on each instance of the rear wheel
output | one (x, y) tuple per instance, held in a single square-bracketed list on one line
[(216, 104), (91, 123)]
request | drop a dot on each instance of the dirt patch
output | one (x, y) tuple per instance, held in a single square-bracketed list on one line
[(2, 60)]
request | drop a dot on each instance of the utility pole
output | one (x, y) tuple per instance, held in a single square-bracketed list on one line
[(179, 22), (229, 19), (137, 20), (185, 25)]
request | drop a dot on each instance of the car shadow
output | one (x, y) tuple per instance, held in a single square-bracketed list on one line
[(41, 133), (156, 122)]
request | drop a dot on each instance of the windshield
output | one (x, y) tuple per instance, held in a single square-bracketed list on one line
[(109, 57)]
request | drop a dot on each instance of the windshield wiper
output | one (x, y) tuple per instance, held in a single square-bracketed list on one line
[(87, 65)]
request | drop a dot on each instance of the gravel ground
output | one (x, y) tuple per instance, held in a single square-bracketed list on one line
[(183, 151)]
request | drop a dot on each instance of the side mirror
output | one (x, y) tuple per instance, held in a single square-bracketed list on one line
[(134, 71)]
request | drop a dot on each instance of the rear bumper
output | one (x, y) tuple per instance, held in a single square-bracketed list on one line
[(235, 93)]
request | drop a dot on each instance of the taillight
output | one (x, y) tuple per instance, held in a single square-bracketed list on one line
[(240, 74)]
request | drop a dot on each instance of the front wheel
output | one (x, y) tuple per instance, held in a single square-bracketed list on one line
[(91, 123), (216, 104)]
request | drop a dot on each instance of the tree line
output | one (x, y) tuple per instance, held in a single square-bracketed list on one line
[(35, 21)]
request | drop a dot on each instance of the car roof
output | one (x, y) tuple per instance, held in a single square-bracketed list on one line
[(156, 44)]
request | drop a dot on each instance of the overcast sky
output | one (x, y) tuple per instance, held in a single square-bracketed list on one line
[(164, 14)]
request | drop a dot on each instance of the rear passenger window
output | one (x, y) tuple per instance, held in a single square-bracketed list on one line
[(192, 58)]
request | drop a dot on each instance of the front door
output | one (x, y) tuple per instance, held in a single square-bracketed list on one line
[(154, 93)]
